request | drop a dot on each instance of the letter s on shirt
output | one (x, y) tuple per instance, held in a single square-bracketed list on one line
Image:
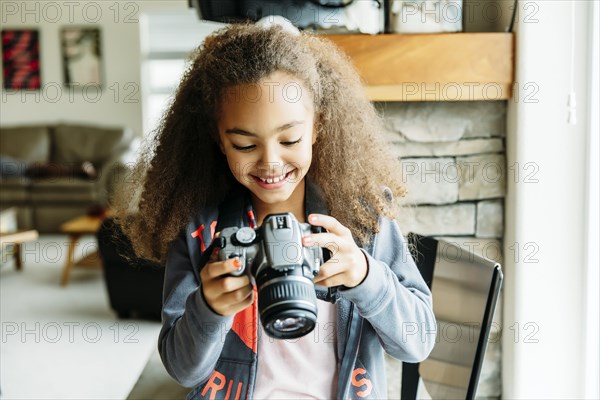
[(361, 382)]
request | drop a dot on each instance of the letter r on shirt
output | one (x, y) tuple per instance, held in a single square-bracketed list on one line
[(213, 385)]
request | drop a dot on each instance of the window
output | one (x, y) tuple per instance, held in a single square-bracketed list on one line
[(168, 38)]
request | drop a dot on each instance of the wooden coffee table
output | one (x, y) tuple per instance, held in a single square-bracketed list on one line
[(75, 228), (11, 238)]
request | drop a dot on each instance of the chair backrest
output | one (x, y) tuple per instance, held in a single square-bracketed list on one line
[(465, 290)]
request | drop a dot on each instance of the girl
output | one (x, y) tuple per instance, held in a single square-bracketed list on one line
[(265, 121)]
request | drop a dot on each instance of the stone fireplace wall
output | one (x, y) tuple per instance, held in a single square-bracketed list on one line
[(454, 168)]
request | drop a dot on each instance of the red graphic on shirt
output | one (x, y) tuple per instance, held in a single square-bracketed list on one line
[(362, 382), (244, 325), (252, 219), (198, 233), (216, 383)]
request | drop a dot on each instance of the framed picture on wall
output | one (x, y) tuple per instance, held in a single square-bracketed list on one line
[(82, 58), (21, 59)]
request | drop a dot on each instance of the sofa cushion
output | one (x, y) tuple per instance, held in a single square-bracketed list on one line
[(27, 143), (83, 170), (63, 190), (78, 143), (14, 191)]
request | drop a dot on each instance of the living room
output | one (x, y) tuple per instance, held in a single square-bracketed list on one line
[(62, 338)]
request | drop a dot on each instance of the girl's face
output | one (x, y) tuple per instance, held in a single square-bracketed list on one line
[(266, 133)]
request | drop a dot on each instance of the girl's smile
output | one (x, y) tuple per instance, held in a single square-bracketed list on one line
[(273, 182)]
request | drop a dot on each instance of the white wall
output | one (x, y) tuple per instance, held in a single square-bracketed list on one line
[(119, 102), (592, 327), (545, 301)]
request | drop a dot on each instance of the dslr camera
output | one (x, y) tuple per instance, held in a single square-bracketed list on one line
[(283, 270)]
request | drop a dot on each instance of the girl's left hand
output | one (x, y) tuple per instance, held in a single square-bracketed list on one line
[(347, 265)]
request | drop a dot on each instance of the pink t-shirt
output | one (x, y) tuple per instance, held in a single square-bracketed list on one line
[(303, 368)]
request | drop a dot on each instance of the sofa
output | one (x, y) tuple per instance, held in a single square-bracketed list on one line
[(54, 172)]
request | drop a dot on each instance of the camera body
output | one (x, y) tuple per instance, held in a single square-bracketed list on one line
[(283, 269)]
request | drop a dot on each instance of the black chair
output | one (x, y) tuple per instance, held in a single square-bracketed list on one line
[(134, 285), (465, 290)]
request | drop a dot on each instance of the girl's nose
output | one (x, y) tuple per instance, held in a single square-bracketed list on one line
[(270, 162), (270, 155)]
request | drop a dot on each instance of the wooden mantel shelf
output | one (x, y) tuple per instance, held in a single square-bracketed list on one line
[(433, 67)]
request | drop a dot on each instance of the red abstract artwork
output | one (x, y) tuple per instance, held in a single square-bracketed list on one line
[(21, 59)]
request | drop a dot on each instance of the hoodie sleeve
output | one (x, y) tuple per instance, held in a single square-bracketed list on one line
[(192, 335), (394, 298)]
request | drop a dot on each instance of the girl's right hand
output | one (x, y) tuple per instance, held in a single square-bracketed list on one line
[(225, 294)]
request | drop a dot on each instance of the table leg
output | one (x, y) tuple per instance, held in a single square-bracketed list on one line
[(17, 254), (70, 259)]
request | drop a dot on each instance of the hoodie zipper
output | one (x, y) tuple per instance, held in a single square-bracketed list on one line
[(353, 335)]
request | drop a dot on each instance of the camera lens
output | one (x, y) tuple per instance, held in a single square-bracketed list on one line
[(287, 303)]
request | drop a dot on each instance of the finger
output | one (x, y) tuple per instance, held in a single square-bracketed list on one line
[(236, 296), (219, 268), (246, 299), (326, 239), (329, 223), (230, 284), (330, 281), (335, 273), (328, 270), (218, 288)]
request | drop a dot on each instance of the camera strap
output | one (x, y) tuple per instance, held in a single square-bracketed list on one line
[(236, 210), (231, 213)]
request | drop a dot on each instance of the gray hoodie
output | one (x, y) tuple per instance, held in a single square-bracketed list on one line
[(391, 311)]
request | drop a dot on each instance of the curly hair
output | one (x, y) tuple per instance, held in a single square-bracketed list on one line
[(183, 170)]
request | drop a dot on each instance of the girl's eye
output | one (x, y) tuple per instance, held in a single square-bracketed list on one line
[(248, 148), (243, 148), (292, 143)]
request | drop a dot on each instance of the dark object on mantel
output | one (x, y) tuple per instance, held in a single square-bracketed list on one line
[(134, 285), (305, 14), (243, 10)]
